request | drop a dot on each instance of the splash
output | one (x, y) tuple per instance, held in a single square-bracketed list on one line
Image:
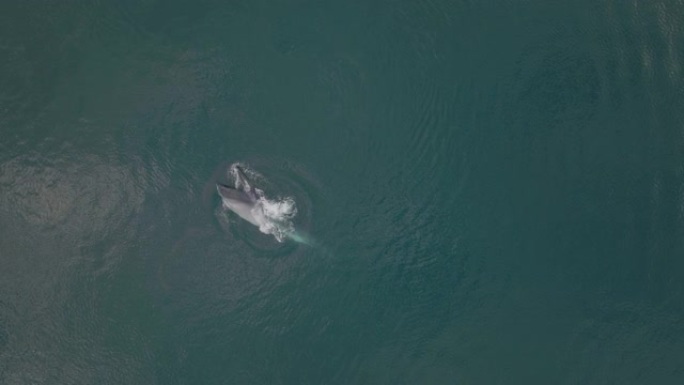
[(275, 217)]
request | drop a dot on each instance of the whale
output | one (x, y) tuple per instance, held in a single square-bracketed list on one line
[(239, 202), (241, 199), (250, 204)]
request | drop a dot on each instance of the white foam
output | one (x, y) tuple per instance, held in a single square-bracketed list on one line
[(275, 217)]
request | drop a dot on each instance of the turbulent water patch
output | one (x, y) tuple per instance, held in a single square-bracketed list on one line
[(274, 215)]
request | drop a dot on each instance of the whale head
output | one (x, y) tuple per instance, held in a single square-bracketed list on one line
[(239, 202)]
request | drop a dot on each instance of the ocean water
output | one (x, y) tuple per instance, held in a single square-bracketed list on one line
[(487, 192)]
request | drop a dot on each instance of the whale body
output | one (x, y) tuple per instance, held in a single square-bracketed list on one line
[(241, 199), (239, 202), (250, 204)]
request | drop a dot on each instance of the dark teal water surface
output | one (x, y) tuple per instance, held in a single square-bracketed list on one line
[(495, 188)]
